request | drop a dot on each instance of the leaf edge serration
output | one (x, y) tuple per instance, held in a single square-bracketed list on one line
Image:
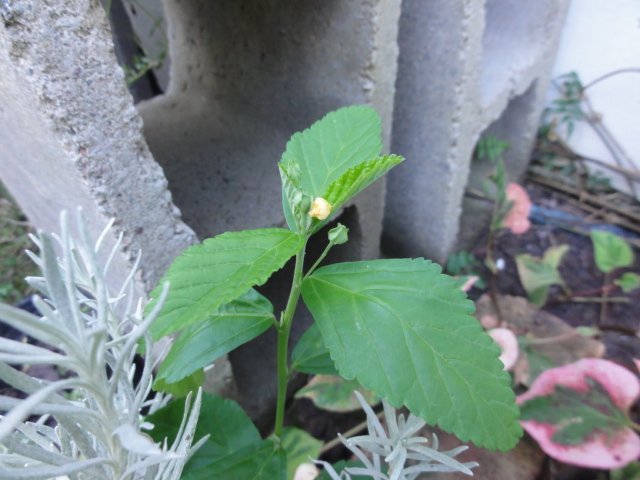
[(506, 394)]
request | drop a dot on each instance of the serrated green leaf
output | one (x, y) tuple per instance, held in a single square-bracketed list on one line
[(610, 251), (538, 274), (578, 416), (219, 270), (295, 200), (335, 394), (404, 330), (234, 450), (358, 178), (181, 387), (230, 326), (629, 281), (300, 446), (311, 355), (331, 146)]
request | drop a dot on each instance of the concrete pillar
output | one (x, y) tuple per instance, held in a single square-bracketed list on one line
[(465, 67), (70, 135)]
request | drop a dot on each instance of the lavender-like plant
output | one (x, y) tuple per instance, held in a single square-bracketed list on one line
[(98, 435), (401, 450)]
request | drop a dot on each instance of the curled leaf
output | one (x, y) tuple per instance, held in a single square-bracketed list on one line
[(508, 343)]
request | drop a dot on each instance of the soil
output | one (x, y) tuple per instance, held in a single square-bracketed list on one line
[(621, 321)]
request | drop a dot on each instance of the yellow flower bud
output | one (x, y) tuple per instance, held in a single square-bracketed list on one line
[(320, 209)]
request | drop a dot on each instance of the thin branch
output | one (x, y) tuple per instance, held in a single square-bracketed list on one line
[(610, 74)]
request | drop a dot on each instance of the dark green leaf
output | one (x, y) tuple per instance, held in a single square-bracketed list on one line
[(219, 270), (233, 451), (331, 146), (610, 251), (404, 330), (311, 355), (181, 388), (300, 446), (578, 416), (230, 326), (254, 462)]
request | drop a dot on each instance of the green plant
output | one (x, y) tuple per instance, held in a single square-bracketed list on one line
[(373, 319), (98, 435), (573, 105), (14, 240), (465, 264), (538, 274), (511, 205), (397, 444), (610, 253)]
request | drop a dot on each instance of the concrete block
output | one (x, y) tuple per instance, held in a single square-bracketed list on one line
[(69, 134), (461, 65)]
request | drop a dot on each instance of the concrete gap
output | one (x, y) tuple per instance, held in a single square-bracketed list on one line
[(515, 34), (514, 120), (137, 39), (254, 363)]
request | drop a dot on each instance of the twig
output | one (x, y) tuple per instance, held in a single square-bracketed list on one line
[(605, 294), (587, 197), (610, 74), (604, 300)]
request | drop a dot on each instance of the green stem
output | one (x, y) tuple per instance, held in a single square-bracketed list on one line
[(283, 341), (315, 265)]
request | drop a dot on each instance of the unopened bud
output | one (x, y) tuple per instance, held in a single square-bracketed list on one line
[(339, 235)]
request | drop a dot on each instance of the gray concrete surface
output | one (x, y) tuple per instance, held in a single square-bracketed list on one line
[(70, 135), (465, 67)]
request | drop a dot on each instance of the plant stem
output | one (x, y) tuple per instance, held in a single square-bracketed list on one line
[(602, 300), (283, 340), (494, 275), (315, 265), (605, 294)]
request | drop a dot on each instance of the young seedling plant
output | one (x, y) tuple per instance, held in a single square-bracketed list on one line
[(398, 326), (611, 252)]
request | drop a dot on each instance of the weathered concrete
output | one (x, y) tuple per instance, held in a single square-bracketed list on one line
[(462, 64), (69, 134), (245, 76)]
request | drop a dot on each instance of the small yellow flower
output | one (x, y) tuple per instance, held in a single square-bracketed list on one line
[(320, 209)]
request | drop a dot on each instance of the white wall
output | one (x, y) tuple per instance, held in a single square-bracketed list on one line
[(601, 36)]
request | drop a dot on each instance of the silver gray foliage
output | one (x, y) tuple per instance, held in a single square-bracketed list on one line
[(403, 454), (97, 427)]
